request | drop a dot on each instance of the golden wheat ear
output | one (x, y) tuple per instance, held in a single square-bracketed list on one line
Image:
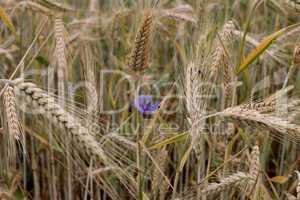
[(13, 124), (139, 56), (237, 180), (254, 170), (14, 129)]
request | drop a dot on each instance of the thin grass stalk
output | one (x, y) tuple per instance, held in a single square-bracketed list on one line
[(34, 165), (298, 185)]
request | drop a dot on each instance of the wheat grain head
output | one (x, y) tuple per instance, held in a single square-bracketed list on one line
[(233, 181), (139, 57)]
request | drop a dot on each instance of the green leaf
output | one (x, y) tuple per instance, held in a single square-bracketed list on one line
[(171, 140), (263, 45), (42, 61), (280, 179), (185, 158), (7, 22), (145, 197)]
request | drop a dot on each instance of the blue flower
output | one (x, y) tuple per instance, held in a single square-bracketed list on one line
[(145, 104)]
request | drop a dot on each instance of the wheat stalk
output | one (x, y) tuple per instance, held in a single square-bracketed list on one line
[(60, 46), (139, 57), (298, 185)]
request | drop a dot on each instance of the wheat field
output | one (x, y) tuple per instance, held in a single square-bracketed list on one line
[(150, 99)]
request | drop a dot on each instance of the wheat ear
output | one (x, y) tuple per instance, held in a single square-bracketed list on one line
[(269, 104), (139, 57), (254, 163), (221, 59), (254, 168), (224, 37), (232, 181), (84, 142), (56, 114), (13, 123), (277, 126), (195, 105), (60, 46)]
